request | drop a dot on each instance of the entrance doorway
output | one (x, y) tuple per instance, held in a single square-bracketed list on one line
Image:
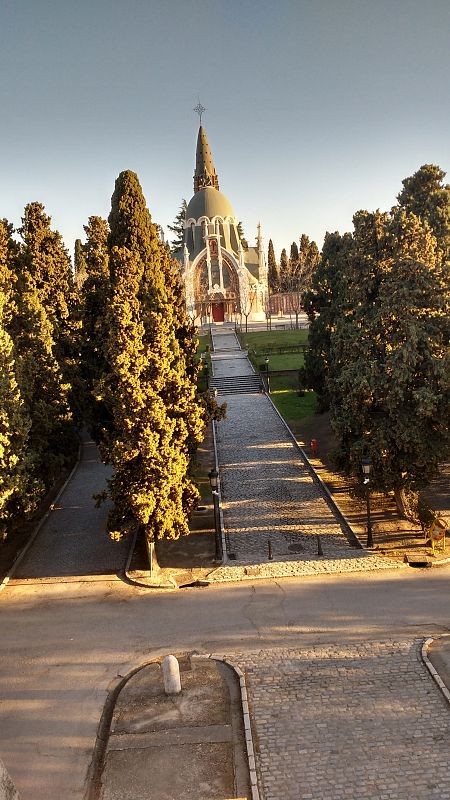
[(218, 312)]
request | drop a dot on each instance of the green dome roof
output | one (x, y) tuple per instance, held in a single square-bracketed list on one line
[(209, 202)]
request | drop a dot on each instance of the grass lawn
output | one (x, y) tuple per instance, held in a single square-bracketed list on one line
[(279, 360), (203, 343), (261, 340), (259, 343), (292, 407)]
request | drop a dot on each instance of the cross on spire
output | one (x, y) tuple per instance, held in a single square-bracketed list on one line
[(199, 109)]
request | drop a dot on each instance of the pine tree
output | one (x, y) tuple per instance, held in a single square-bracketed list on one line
[(273, 277), (150, 395), (178, 228), (390, 367)]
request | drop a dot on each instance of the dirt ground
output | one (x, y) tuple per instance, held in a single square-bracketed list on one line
[(392, 535)]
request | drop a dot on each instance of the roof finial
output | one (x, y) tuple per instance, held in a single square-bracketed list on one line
[(199, 109)]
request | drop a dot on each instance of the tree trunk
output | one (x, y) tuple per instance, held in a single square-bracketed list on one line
[(152, 559), (406, 502)]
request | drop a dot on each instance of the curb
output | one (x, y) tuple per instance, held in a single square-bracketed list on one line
[(246, 715), (22, 553), (432, 670)]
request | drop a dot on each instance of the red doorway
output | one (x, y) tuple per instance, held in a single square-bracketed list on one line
[(218, 312)]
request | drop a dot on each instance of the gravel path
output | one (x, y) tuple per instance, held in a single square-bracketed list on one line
[(269, 495)]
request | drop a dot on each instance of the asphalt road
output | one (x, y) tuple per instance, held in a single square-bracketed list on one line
[(64, 642)]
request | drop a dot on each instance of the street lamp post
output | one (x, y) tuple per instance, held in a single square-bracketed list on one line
[(213, 476), (267, 376), (366, 465)]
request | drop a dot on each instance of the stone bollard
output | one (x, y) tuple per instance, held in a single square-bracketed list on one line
[(171, 674), (7, 788)]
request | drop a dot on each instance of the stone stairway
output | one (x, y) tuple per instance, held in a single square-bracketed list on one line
[(236, 384)]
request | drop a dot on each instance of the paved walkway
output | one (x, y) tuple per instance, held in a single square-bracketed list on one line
[(347, 722), (73, 540), (269, 494)]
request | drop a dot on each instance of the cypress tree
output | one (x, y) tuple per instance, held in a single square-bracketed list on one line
[(52, 438), (389, 374), (425, 195), (46, 260), (273, 276), (18, 490), (284, 271), (95, 297), (46, 264), (323, 304), (151, 397), (79, 263)]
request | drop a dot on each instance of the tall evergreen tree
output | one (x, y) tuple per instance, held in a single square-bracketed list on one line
[(79, 262), (178, 228), (18, 489), (150, 395), (425, 195), (323, 303), (389, 382), (95, 297), (284, 271), (307, 262), (52, 437), (272, 269), (46, 263)]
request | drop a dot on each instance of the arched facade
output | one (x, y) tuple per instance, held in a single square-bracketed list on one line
[(224, 278)]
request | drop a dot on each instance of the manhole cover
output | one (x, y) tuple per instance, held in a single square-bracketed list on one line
[(296, 548)]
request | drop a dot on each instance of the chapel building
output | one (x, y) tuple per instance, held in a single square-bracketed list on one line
[(225, 279)]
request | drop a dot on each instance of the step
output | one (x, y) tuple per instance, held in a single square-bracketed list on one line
[(235, 384)]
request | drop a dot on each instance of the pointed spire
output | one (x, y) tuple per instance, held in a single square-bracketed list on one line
[(205, 172)]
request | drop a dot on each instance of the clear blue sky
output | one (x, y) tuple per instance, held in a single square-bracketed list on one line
[(316, 108)]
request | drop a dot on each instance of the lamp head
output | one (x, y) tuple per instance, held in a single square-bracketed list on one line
[(213, 476), (366, 465)]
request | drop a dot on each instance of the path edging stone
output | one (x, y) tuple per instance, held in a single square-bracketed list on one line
[(343, 519), (432, 670), (246, 716)]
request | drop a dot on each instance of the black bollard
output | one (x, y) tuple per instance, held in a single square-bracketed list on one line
[(319, 546), (269, 544)]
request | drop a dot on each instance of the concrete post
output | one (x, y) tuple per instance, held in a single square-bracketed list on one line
[(171, 674), (7, 788)]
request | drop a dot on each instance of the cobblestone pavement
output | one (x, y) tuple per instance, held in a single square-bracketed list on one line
[(73, 540), (347, 722), (226, 339), (269, 495)]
